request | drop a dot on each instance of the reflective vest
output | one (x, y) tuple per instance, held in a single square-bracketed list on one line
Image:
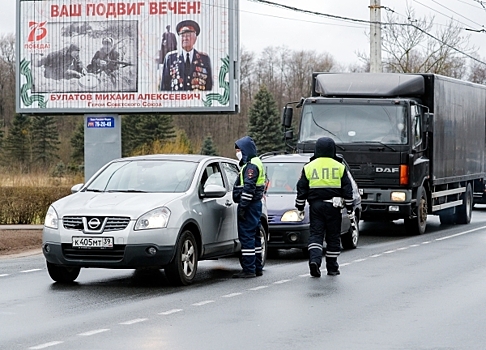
[(261, 172), (324, 173)]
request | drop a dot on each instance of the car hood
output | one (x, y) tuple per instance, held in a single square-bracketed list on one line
[(115, 203), (279, 203)]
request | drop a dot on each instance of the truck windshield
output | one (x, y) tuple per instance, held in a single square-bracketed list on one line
[(354, 123)]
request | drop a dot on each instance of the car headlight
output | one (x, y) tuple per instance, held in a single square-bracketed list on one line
[(51, 220), (157, 218), (398, 196), (292, 216)]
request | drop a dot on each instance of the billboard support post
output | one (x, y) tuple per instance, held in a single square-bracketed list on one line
[(102, 141)]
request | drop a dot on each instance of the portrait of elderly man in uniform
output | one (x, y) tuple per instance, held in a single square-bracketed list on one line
[(187, 69)]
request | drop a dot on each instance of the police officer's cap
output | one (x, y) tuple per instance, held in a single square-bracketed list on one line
[(188, 26)]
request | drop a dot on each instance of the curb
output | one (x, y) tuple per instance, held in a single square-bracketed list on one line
[(21, 227)]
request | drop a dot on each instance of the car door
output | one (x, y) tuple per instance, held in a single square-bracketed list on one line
[(216, 212), (231, 172)]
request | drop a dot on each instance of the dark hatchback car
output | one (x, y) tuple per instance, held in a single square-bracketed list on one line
[(287, 229)]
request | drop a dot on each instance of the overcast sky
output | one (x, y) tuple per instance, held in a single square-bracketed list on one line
[(263, 25)]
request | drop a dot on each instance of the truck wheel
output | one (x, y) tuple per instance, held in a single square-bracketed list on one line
[(182, 269), (62, 274), (448, 216), (418, 224), (350, 239), (464, 211)]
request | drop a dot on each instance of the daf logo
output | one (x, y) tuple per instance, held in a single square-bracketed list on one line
[(94, 223), (386, 170)]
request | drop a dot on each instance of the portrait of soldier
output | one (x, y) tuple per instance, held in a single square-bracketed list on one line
[(187, 69), (169, 43), (63, 64)]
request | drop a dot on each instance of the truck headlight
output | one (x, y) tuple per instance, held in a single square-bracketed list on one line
[(292, 216), (157, 218), (398, 196), (51, 220)]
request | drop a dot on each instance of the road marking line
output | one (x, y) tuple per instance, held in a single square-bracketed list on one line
[(390, 251), (281, 281), (426, 242), (96, 331), (461, 233), (304, 275), (345, 264), (375, 255), (258, 288), (46, 345), (231, 295), (403, 248), (4, 275), (356, 261), (173, 311), (201, 303), (33, 270), (414, 245), (137, 320)]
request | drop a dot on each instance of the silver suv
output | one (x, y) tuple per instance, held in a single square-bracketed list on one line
[(161, 211)]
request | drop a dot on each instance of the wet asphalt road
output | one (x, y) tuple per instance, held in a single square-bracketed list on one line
[(395, 292)]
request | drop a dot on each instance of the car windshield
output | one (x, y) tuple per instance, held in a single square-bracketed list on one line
[(283, 177), (145, 176), (348, 123)]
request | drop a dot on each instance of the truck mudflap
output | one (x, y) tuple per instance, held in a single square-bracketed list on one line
[(390, 203)]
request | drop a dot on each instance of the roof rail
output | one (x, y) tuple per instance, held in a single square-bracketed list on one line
[(272, 153)]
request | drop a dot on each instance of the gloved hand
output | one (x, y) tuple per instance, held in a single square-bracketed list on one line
[(241, 214)]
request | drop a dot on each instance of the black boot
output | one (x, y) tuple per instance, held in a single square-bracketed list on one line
[(332, 266)]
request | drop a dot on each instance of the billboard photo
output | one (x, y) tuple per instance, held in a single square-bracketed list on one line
[(129, 56)]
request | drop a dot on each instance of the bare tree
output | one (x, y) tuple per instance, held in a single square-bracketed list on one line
[(7, 78), (477, 72), (416, 47)]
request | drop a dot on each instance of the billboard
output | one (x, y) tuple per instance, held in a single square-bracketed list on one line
[(127, 56)]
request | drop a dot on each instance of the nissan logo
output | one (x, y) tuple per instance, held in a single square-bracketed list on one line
[(94, 223)]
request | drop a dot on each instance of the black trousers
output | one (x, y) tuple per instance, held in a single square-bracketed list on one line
[(325, 221)]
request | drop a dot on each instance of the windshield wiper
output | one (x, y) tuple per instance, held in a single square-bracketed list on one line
[(379, 142), (128, 191)]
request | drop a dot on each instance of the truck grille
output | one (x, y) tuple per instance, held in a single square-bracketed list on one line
[(112, 224), (115, 254)]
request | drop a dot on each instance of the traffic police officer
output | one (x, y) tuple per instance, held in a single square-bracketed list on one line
[(323, 179), (248, 192)]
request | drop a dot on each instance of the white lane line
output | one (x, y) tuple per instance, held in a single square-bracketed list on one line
[(137, 320), (345, 264), (258, 288), (390, 251), (173, 311), (93, 332), (281, 281), (375, 255), (356, 261), (403, 248), (231, 295), (4, 275), (33, 270), (414, 245), (304, 275), (461, 233), (201, 303), (426, 242), (46, 345)]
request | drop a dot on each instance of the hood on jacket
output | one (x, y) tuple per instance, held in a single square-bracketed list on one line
[(247, 147), (325, 147)]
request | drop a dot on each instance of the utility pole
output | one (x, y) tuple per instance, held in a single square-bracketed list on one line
[(375, 36)]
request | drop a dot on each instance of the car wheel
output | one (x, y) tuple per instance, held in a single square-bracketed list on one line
[(349, 240), (62, 274), (264, 243), (182, 269)]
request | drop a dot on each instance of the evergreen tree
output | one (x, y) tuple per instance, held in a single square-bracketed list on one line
[(45, 140), (208, 147), (77, 144), (139, 130), (18, 142), (264, 124)]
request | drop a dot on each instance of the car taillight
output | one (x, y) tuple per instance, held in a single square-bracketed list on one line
[(403, 174)]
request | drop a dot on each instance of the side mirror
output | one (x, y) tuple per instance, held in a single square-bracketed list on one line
[(214, 191), (76, 188), (287, 115), (289, 134)]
